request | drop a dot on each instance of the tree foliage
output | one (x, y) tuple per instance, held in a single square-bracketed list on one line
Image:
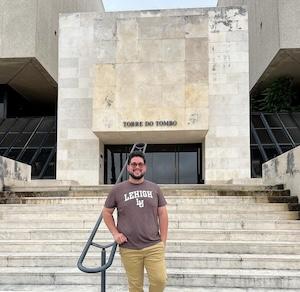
[(280, 96)]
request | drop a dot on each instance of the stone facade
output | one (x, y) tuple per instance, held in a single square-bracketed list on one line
[(173, 76), (12, 171), (284, 169), (227, 150)]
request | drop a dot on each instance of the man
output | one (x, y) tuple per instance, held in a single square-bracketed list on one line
[(142, 226)]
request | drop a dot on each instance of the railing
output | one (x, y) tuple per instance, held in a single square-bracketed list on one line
[(104, 265)]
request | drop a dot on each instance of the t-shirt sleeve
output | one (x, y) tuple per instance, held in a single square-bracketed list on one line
[(161, 199), (110, 201)]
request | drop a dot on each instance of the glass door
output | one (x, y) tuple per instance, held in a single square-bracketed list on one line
[(166, 163)]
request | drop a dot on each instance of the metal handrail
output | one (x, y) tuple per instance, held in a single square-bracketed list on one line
[(104, 264)]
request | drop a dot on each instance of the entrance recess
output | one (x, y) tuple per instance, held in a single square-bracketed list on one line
[(167, 163)]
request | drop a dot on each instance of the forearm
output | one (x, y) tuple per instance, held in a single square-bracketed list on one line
[(111, 225), (163, 225), (110, 222)]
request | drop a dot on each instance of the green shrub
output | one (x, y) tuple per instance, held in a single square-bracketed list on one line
[(280, 96)]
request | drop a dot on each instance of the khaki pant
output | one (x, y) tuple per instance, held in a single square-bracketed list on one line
[(153, 259)]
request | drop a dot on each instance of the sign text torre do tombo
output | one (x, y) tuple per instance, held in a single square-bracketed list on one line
[(132, 124)]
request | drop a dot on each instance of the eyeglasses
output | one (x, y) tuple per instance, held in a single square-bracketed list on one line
[(140, 165)]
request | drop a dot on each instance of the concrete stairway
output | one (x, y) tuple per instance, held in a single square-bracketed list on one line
[(222, 238)]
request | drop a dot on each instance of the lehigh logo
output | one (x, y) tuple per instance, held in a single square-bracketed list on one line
[(140, 203)]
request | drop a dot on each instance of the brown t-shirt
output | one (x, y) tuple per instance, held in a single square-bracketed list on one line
[(137, 206)]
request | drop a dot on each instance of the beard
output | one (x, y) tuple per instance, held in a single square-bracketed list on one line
[(136, 176)]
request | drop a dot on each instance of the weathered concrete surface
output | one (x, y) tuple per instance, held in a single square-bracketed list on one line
[(227, 149), (274, 32), (12, 171), (224, 3), (284, 169)]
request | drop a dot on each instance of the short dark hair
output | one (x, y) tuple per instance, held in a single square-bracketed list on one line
[(136, 153)]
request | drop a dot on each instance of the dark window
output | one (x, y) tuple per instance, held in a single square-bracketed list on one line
[(264, 137), (295, 134), (271, 151), (28, 155), (257, 122), (286, 148), (51, 169), (50, 140), (296, 117), (39, 162), (31, 126), (30, 140), (257, 161), (273, 121), (13, 153), (280, 136), (252, 139), (36, 140), (8, 140), (287, 120), (21, 140), (6, 125), (19, 125), (47, 125), (285, 129)]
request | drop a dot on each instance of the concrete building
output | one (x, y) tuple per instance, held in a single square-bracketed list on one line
[(160, 77), (274, 39), (177, 80), (29, 45)]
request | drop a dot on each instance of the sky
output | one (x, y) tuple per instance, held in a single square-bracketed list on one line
[(124, 5)]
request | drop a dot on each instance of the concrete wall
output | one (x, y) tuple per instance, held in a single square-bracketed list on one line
[(12, 171), (189, 66), (77, 146), (264, 36), (227, 149), (227, 3), (289, 23), (146, 64), (17, 28), (284, 169), (47, 27), (29, 28), (273, 25)]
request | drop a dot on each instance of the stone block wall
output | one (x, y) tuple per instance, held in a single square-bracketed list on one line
[(77, 146), (284, 169), (12, 171), (145, 64), (120, 71), (227, 144)]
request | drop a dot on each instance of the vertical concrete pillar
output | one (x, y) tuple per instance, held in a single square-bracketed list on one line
[(77, 146), (227, 144)]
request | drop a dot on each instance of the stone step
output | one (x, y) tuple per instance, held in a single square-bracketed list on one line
[(195, 234), (18, 197), (174, 260), (170, 198), (186, 246), (173, 224), (165, 187), (231, 278), (124, 288), (263, 207), (175, 214)]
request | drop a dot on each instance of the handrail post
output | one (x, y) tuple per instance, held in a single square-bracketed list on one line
[(103, 278)]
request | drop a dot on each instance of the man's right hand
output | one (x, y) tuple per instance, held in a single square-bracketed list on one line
[(120, 238)]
